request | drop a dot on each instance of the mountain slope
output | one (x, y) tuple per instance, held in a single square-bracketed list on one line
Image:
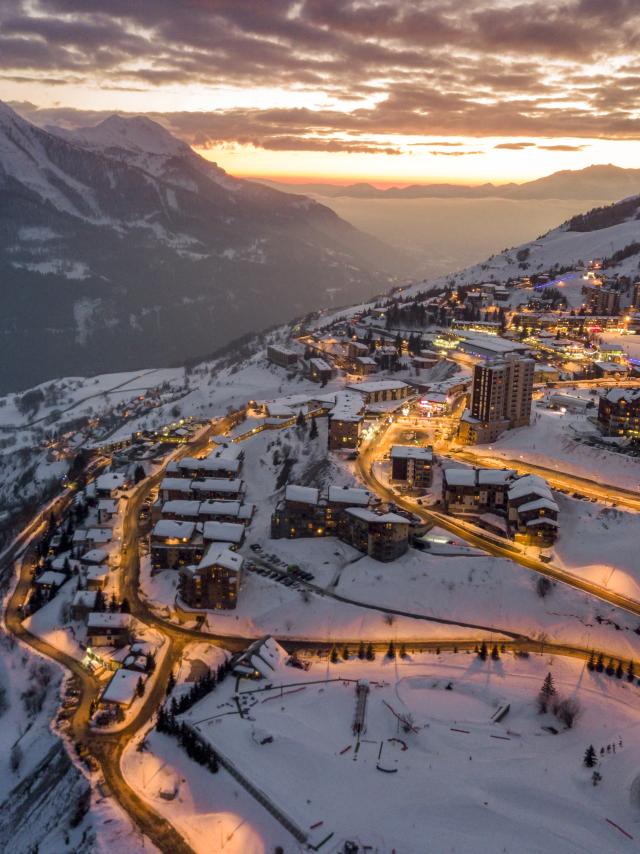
[(610, 233), (120, 247), (593, 182)]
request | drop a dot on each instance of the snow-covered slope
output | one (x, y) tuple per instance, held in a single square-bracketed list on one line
[(598, 234)]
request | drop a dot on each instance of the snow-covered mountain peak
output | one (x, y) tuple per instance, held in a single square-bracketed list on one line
[(135, 133)]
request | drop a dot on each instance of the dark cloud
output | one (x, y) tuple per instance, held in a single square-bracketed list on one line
[(562, 147), (484, 68), (514, 146)]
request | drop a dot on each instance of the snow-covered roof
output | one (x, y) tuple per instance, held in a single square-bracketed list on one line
[(108, 620), (348, 406), (411, 452), (122, 687), (178, 484), (538, 504), (110, 480), (612, 367), (108, 505), (99, 535), (349, 495), (320, 364), (97, 573), (301, 494), (529, 484), (615, 395), (172, 529), (85, 597), (377, 385), (223, 532), (95, 556), (371, 516), (542, 520), (181, 507), (216, 484), (50, 577), (263, 656), (477, 477), (217, 556), (220, 508)]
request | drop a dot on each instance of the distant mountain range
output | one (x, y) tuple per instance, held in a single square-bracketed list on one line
[(594, 182), (121, 247)]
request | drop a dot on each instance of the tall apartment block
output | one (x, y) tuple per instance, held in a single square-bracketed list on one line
[(500, 399)]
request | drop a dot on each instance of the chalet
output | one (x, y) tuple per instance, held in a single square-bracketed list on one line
[(299, 514), (175, 543), (122, 689), (231, 533), (475, 491), (174, 489), (339, 499), (226, 511), (96, 537), (50, 581), (109, 484), (107, 629), (362, 366), (185, 510), (412, 465), (83, 604), (214, 487), (259, 660), (94, 557), (97, 577), (382, 536), (532, 511), (107, 511), (215, 582)]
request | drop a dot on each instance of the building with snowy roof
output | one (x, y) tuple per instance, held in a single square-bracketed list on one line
[(412, 465), (175, 543), (122, 689), (214, 583), (108, 629)]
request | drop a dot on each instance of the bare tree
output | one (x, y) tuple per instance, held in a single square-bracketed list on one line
[(568, 711)]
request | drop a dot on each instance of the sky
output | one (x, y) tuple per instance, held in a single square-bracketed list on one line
[(387, 91)]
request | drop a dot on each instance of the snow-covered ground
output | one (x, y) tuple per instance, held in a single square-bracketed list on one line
[(553, 440), (477, 786)]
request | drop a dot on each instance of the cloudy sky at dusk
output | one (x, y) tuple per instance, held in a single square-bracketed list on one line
[(391, 91)]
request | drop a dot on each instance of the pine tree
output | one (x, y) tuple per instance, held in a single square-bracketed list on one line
[(300, 422), (403, 651), (596, 777), (345, 653), (546, 693), (483, 653), (600, 663), (610, 669), (591, 663), (630, 672), (361, 651), (125, 608), (391, 650), (495, 654), (113, 603), (334, 655), (590, 758), (100, 603), (171, 683), (370, 653), (140, 687), (313, 432)]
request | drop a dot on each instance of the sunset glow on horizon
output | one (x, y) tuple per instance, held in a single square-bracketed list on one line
[(343, 92)]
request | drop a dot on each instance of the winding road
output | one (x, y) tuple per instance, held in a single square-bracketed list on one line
[(107, 748)]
